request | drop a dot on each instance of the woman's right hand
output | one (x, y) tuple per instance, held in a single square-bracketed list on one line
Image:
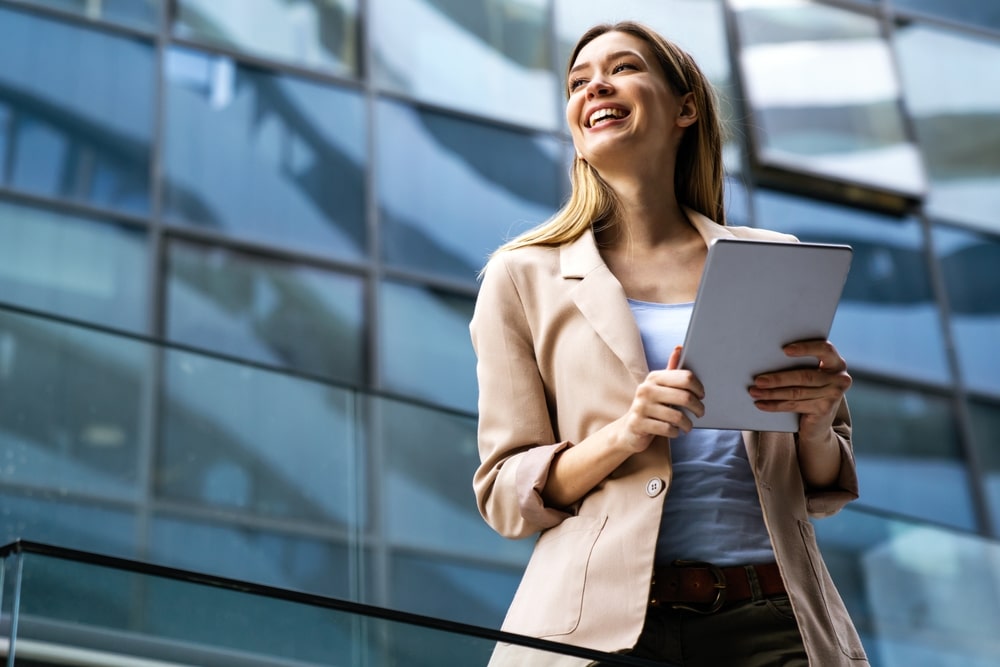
[(656, 406)]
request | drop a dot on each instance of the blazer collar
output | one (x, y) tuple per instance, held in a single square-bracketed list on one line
[(601, 299)]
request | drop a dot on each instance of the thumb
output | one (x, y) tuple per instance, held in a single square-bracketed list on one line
[(675, 358)]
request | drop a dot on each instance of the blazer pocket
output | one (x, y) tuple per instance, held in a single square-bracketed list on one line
[(836, 613), (549, 600)]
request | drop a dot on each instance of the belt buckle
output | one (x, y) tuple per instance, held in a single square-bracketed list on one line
[(719, 586)]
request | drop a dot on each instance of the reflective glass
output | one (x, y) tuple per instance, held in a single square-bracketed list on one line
[(263, 156), (72, 408), (489, 57), (952, 89), (313, 33), (439, 587), (986, 439), (906, 587), (258, 554), (73, 266), (424, 346), (257, 441), (76, 112), (451, 190), (50, 516), (427, 501), (969, 264), (979, 13), (134, 13), (811, 112), (698, 26), (296, 317), (888, 320), (908, 454)]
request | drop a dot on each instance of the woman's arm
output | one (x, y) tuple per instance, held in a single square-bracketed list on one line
[(817, 394)]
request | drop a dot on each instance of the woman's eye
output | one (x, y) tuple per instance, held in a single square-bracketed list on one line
[(622, 66), (576, 83)]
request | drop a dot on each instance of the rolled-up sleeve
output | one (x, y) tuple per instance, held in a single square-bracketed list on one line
[(516, 440)]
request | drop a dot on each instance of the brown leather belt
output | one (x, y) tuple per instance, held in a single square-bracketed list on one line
[(705, 588)]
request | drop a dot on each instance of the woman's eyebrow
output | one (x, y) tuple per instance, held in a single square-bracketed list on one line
[(611, 56)]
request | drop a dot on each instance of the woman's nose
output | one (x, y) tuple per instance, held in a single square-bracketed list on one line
[(597, 87)]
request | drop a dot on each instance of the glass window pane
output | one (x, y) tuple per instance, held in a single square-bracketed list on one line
[(76, 112), (263, 156), (698, 26), (322, 34), (73, 266), (257, 441), (888, 320), (462, 592), (72, 408), (979, 13), (451, 190), (49, 516), (296, 317), (134, 13), (909, 458), (969, 264), (952, 86), (812, 113), (430, 457), (424, 346), (986, 439), (489, 57), (255, 554)]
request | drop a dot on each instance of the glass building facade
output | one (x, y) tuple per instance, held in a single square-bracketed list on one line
[(239, 246)]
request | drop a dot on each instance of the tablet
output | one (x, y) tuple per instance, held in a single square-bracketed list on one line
[(755, 297)]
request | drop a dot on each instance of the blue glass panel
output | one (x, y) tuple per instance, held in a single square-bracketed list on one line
[(978, 13), (488, 57), (72, 408), (986, 439), (78, 110), (952, 89), (264, 157), (313, 33), (888, 320), (812, 113), (135, 13), (255, 554), (297, 317), (908, 454), (73, 266), (451, 191), (443, 588), (969, 264), (52, 517), (424, 345), (257, 442), (427, 501)]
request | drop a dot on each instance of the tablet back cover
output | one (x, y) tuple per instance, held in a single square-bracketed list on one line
[(755, 297)]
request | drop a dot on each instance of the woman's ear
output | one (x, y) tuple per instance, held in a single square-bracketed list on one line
[(687, 113)]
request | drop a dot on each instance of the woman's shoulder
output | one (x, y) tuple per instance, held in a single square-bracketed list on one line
[(523, 259)]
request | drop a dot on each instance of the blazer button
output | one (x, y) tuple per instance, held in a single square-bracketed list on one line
[(654, 487)]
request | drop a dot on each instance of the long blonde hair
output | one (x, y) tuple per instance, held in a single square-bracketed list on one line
[(698, 174)]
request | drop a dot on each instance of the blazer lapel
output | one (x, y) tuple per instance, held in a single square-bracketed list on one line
[(601, 298)]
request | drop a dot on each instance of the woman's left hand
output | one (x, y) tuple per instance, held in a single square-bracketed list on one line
[(815, 393)]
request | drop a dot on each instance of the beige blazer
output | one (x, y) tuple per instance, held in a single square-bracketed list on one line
[(560, 356)]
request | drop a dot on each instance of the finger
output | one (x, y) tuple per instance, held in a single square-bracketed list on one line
[(675, 359), (823, 350)]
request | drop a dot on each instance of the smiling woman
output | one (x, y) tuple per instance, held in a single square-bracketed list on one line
[(648, 527)]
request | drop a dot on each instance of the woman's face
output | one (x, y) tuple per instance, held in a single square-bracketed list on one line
[(620, 105)]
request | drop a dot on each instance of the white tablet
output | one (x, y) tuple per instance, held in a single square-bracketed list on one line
[(754, 298)]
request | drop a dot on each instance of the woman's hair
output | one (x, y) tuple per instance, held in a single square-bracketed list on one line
[(698, 174)]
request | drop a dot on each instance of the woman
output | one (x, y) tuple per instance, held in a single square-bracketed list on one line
[(583, 430)]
